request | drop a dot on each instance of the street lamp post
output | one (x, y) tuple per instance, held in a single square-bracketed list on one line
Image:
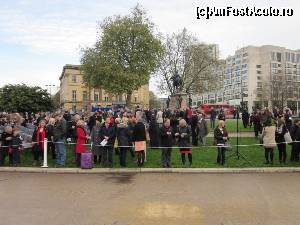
[(50, 88)]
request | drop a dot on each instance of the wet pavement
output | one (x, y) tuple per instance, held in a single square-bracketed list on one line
[(154, 199)]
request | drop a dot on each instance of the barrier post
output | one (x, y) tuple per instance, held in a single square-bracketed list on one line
[(45, 163)]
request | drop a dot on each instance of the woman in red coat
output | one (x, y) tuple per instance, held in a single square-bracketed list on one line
[(80, 142)]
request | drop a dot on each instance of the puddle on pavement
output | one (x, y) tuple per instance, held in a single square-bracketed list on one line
[(166, 213), (120, 178)]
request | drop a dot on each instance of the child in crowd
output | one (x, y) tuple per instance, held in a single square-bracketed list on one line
[(16, 147)]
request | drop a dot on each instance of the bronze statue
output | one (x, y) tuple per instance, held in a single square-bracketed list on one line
[(177, 83)]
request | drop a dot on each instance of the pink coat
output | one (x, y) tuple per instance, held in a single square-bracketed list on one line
[(81, 140)]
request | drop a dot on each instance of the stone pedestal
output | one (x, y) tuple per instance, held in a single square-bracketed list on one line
[(178, 101)]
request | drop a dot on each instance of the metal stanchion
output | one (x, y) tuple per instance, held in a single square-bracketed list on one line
[(45, 163)]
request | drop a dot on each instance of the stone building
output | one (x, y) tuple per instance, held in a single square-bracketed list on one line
[(74, 94)]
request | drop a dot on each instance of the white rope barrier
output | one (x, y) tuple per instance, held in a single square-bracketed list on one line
[(160, 147)]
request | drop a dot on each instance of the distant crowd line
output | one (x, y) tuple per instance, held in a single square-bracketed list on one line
[(129, 131)]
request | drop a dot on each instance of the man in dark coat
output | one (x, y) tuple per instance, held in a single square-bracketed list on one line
[(295, 135), (194, 122), (213, 116), (108, 132), (245, 118), (166, 140), (154, 133)]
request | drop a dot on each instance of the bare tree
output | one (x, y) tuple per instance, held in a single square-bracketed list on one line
[(192, 60)]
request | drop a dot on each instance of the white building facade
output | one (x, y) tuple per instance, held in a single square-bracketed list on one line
[(258, 76)]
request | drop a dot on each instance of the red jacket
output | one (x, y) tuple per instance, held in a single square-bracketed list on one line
[(81, 140)]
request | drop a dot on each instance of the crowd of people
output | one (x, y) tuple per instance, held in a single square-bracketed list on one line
[(128, 132)]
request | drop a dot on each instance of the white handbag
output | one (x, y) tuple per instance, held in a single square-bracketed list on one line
[(288, 138)]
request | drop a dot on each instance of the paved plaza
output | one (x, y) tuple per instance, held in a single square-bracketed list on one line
[(154, 199)]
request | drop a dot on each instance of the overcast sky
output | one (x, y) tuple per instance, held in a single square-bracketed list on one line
[(37, 38)]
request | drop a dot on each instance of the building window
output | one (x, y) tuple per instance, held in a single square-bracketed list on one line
[(278, 57), (258, 66), (73, 78), (287, 56), (293, 57), (259, 85), (106, 99), (135, 99), (258, 72), (84, 96), (273, 65), (74, 95)]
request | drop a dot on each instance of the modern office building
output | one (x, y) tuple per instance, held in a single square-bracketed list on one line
[(259, 76), (74, 94)]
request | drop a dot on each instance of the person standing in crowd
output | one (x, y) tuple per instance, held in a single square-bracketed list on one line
[(281, 130), (124, 138), (256, 124), (50, 135), (159, 118), (60, 130), (154, 133), (107, 132), (221, 115), (295, 135), (92, 121), (166, 140), (183, 134), (189, 114), (202, 129), (131, 124), (81, 141), (38, 139), (16, 147), (269, 142), (245, 118), (288, 119), (194, 122), (174, 123), (95, 138), (213, 116), (6, 139), (139, 139), (221, 138)]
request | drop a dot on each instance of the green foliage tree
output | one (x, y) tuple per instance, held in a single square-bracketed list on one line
[(21, 98), (125, 55)]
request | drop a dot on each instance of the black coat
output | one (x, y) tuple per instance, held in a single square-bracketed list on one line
[(184, 141), (110, 132), (218, 135), (295, 133), (279, 137), (139, 132), (16, 142), (124, 136), (154, 133), (166, 140), (194, 121), (5, 142)]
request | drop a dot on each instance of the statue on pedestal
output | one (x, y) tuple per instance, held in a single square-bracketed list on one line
[(177, 83), (177, 98)]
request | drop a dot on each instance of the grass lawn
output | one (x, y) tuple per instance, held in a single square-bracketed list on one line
[(203, 157), (231, 126)]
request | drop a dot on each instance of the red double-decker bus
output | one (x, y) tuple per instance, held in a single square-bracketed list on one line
[(228, 109)]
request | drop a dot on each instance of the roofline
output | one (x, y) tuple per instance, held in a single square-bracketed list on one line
[(69, 66)]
